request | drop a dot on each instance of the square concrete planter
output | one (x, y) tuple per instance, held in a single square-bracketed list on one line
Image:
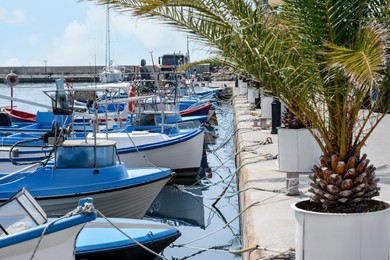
[(298, 150)]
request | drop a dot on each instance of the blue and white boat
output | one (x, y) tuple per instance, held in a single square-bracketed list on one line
[(134, 239), (26, 233), (182, 152), (88, 168), (23, 144)]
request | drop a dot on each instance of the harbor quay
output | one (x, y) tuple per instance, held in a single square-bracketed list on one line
[(48, 74), (267, 219)]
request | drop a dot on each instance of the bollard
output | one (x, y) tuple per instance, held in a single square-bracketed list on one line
[(258, 99), (292, 183), (275, 113)]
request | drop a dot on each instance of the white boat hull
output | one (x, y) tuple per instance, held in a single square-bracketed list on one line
[(58, 245), (121, 203), (184, 157)]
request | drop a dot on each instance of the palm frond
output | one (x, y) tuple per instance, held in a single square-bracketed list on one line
[(323, 58), (364, 64)]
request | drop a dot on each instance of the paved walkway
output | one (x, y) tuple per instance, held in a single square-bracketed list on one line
[(268, 221)]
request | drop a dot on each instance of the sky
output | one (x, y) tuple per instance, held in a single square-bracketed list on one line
[(73, 33)]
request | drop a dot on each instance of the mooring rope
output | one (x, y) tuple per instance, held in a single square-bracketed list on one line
[(132, 239), (88, 208)]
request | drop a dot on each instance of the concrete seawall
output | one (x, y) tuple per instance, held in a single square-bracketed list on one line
[(267, 224)]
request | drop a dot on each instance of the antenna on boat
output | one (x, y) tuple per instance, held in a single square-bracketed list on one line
[(189, 70)]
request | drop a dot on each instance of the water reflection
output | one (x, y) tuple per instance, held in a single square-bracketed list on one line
[(181, 208)]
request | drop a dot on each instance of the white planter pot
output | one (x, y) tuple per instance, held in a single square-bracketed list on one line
[(266, 108), (252, 94), (357, 236), (298, 151), (243, 87)]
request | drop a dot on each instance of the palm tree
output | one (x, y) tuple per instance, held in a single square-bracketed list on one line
[(323, 59)]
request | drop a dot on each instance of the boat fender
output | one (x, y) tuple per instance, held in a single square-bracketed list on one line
[(132, 93)]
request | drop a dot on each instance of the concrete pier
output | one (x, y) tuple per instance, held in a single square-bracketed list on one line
[(267, 223), (47, 74)]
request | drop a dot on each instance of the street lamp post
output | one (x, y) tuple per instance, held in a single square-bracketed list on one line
[(45, 61)]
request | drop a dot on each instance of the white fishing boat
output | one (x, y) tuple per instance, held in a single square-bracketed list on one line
[(81, 169), (25, 233), (111, 74), (181, 152)]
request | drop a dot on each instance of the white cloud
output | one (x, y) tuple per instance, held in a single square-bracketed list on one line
[(12, 62), (12, 17), (74, 46), (82, 41)]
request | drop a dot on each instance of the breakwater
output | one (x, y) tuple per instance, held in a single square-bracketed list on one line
[(47, 74)]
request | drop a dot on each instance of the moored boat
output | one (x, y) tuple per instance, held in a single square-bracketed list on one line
[(18, 116), (26, 234), (181, 152), (82, 169), (123, 238)]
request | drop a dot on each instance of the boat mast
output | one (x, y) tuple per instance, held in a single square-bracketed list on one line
[(108, 40), (162, 100)]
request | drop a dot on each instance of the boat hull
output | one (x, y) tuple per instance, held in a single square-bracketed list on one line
[(117, 191), (183, 156), (100, 240), (130, 202), (59, 246)]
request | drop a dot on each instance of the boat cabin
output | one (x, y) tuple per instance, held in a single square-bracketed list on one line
[(82, 154)]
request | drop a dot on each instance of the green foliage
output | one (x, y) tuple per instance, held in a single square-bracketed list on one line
[(323, 59)]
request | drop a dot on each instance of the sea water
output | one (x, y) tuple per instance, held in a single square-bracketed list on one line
[(204, 209)]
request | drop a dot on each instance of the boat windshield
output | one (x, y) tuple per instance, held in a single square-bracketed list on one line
[(76, 154), (19, 213)]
